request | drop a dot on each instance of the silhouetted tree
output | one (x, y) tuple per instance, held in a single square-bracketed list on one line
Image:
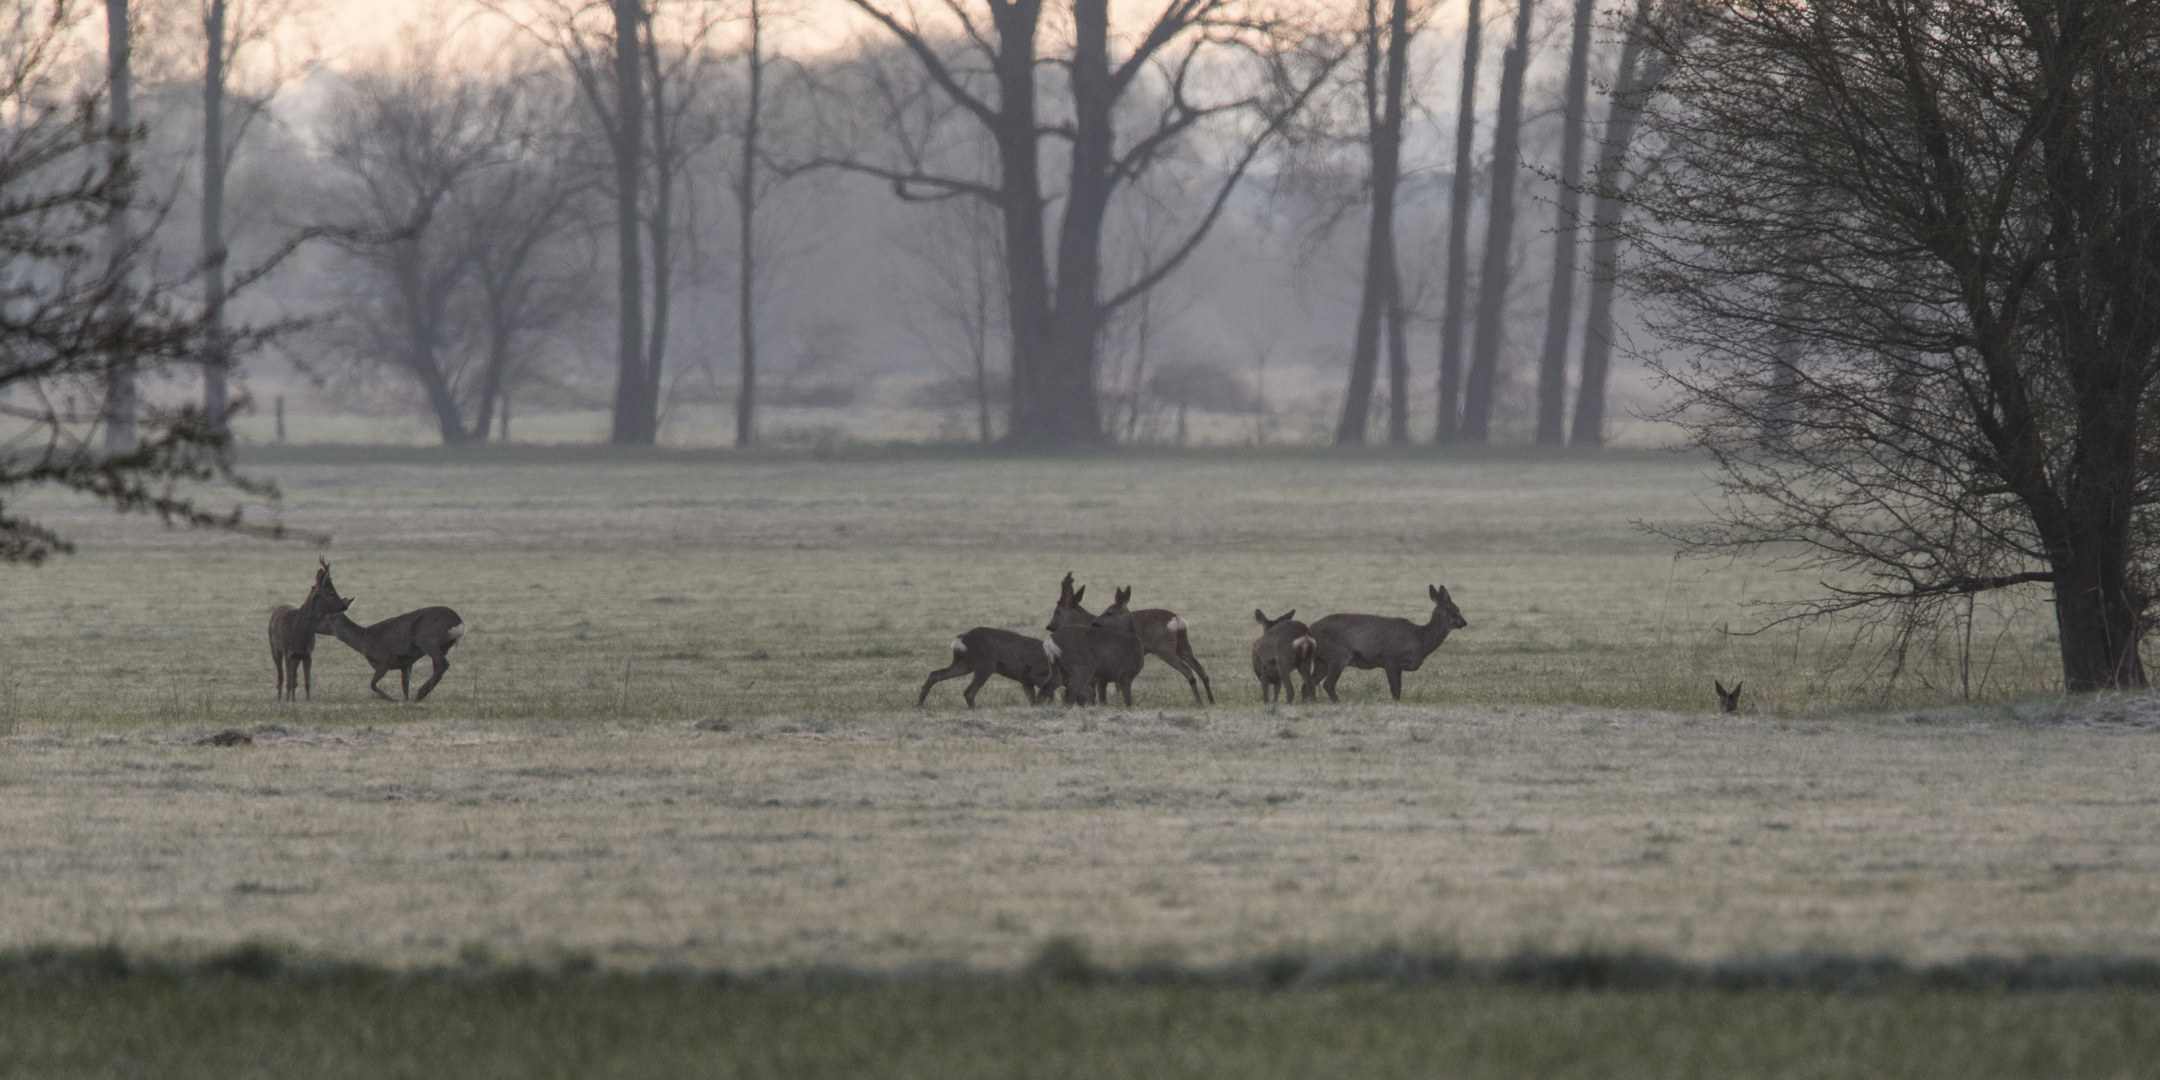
[(1906, 258)]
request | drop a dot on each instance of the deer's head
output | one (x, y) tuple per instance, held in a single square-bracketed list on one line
[(1728, 700), (1068, 611), (1444, 610)]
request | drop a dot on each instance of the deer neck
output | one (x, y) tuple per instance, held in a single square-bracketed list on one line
[(1430, 635), (343, 628)]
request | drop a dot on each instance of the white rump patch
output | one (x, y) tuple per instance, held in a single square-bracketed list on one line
[(958, 645), (1176, 624), (457, 631), (1050, 649), (1306, 642)]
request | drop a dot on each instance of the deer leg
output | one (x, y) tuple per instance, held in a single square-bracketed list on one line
[(1334, 672), (1394, 681), (1125, 688), (1169, 656), (1185, 653), (973, 685), (379, 673), (441, 664), (950, 671), (307, 675), (277, 665)]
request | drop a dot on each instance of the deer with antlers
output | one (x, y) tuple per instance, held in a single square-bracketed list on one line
[(292, 635)]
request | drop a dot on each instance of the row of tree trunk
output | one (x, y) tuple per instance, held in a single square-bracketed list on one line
[(1467, 390)]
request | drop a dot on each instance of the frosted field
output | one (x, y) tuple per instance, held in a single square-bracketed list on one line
[(682, 730)]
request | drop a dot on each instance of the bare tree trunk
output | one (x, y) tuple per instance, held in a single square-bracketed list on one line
[(1621, 116), (746, 199), (1398, 339), (1560, 301), (217, 356), (1068, 409), (632, 423), (1391, 122), (662, 228), (1449, 423), (1383, 127), (120, 370), (1490, 331)]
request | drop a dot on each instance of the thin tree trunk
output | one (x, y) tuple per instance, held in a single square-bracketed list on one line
[(217, 357), (1398, 339), (1448, 425), (1560, 301), (1391, 123), (746, 197), (1490, 331), (1383, 119), (120, 369), (661, 225), (1621, 116), (1140, 359), (631, 425)]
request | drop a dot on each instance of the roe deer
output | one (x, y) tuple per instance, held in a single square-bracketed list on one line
[(1163, 633), (1379, 641), (986, 651), (292, 635), (1728, 700), (1285, 647), (1085, 655), (399, 642)]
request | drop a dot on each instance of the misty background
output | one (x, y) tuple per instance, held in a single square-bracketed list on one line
[(432, 216)]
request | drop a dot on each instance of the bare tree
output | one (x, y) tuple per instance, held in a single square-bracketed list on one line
[(1927, 238), (1387, 60), (990, 68), (228, 30), (1489, 330), (642, 68), (1631, 82), (119, 90), (404, 139), (959, 297), (1560, 299), (517, 220), (1449, 424), (70, 305)]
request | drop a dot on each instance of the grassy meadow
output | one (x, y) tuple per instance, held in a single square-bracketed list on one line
[(682, 734)]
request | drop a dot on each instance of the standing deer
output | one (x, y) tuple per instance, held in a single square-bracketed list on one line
[(292, 636), (399, 642), (1379, 641), (1163, 633), (986, 651), (1285, 647), (1087, 653)]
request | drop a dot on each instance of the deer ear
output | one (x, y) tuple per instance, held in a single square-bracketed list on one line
[(1259, 616), (1720, 688), (1077, 594), (1736, 688), (1124, 594)]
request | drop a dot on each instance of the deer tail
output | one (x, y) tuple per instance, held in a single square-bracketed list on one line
[(457, 631), (1051, 650), (958, 646), (1304, 647), (1176, 625)]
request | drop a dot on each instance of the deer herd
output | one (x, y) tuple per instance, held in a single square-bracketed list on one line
[(1083, 657), (1086, 653)]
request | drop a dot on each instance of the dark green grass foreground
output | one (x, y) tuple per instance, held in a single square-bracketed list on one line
[(377, 1024)]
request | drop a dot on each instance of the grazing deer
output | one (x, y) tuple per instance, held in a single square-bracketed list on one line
[(1379, 641), (399, 642), (1728, 700), (1285, 646), (292, 636), (1163, 633), (1087, 654), (986, 651)]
